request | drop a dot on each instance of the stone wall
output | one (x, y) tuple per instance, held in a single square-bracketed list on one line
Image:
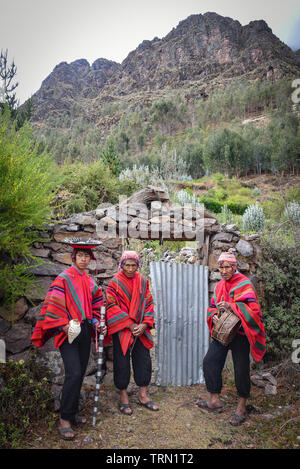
[(54, 257)]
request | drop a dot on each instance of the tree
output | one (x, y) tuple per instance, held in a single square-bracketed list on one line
[(110, 157), (226, 151), (7, 93), (7, 75)]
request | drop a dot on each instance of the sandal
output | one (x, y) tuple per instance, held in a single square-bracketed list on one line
[(237, 420), (149, 405), (64, 431), (123, 408), (203, 405)]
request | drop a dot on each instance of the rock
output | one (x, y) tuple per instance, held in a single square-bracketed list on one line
[(100, 213), (81, 219), (251, 237), (160, 220), (17, 338), (105, 261), (60, 236), (46, 269), (243, 266), (49, 357), (71, 227), (192, 260), (20, 309), (55, 246), (220, 245), (4, 326), (270, 389), (244, 248), (40, 252), (63, 258), (270, 378), (214, 276), (224, 237), (232, 229), (32, 314), (25, 356), (56, 390), (258, 381)]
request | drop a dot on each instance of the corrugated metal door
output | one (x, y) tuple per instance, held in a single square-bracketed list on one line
[(180, 293)]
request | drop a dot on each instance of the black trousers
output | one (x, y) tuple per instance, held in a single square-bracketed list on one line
[(75, 357), (214, 362), (141, 363)]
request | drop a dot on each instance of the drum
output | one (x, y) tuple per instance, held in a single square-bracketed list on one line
[(226, 327)]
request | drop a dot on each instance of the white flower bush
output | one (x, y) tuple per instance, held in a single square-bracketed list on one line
[(140, 175), (292, 211), (183, 197), (254, 218)]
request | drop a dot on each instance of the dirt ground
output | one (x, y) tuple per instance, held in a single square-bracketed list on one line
[(272, 423)]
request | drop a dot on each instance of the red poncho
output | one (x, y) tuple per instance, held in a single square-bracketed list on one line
[(241, 295), (71, 296), (129, 301)]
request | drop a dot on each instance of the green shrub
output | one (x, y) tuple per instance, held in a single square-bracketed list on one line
[(87, 185), (216, 206), (279, 274), (26, 182), (25, 401)]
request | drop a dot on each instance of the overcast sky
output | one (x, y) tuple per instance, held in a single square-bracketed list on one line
[(39, 34)]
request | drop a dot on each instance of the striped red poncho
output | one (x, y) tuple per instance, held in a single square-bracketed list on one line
[(71, 296), (241, 295), (129, 301)]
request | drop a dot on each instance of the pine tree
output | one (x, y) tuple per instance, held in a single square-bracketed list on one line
[(7, 76)]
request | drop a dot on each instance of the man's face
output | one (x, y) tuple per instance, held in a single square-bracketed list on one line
[(226, 270), (129, 268), (82, 260)]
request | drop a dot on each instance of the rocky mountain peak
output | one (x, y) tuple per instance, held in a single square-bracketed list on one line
[(202, 49)]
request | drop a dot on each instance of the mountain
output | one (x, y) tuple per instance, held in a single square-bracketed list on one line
[(202, 52)]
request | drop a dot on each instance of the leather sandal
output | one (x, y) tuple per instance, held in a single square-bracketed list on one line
[(63, 431), (204, 405), (237, 420), (123, 408), (149, 405)]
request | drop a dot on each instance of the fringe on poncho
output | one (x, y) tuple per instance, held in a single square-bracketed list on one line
[(241, 295), (129, 301), (71, 296)]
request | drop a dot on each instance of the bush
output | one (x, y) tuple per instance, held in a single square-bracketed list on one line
[(25, 400), (279, 275), (26, 181), (292, 211), (254, 219), (87, 186)]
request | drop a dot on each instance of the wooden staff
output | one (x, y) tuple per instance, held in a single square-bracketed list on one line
[(99, 349)]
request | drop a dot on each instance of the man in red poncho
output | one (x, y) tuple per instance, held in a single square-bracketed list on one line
[(234, 291), (72, 295), (130, 318)]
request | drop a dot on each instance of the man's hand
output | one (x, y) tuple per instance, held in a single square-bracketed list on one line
[(138, 329), (215, 319), (97, 326), (224, 305), (65, 329)]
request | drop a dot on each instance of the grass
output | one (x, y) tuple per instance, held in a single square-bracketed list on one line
[(273, 422)]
